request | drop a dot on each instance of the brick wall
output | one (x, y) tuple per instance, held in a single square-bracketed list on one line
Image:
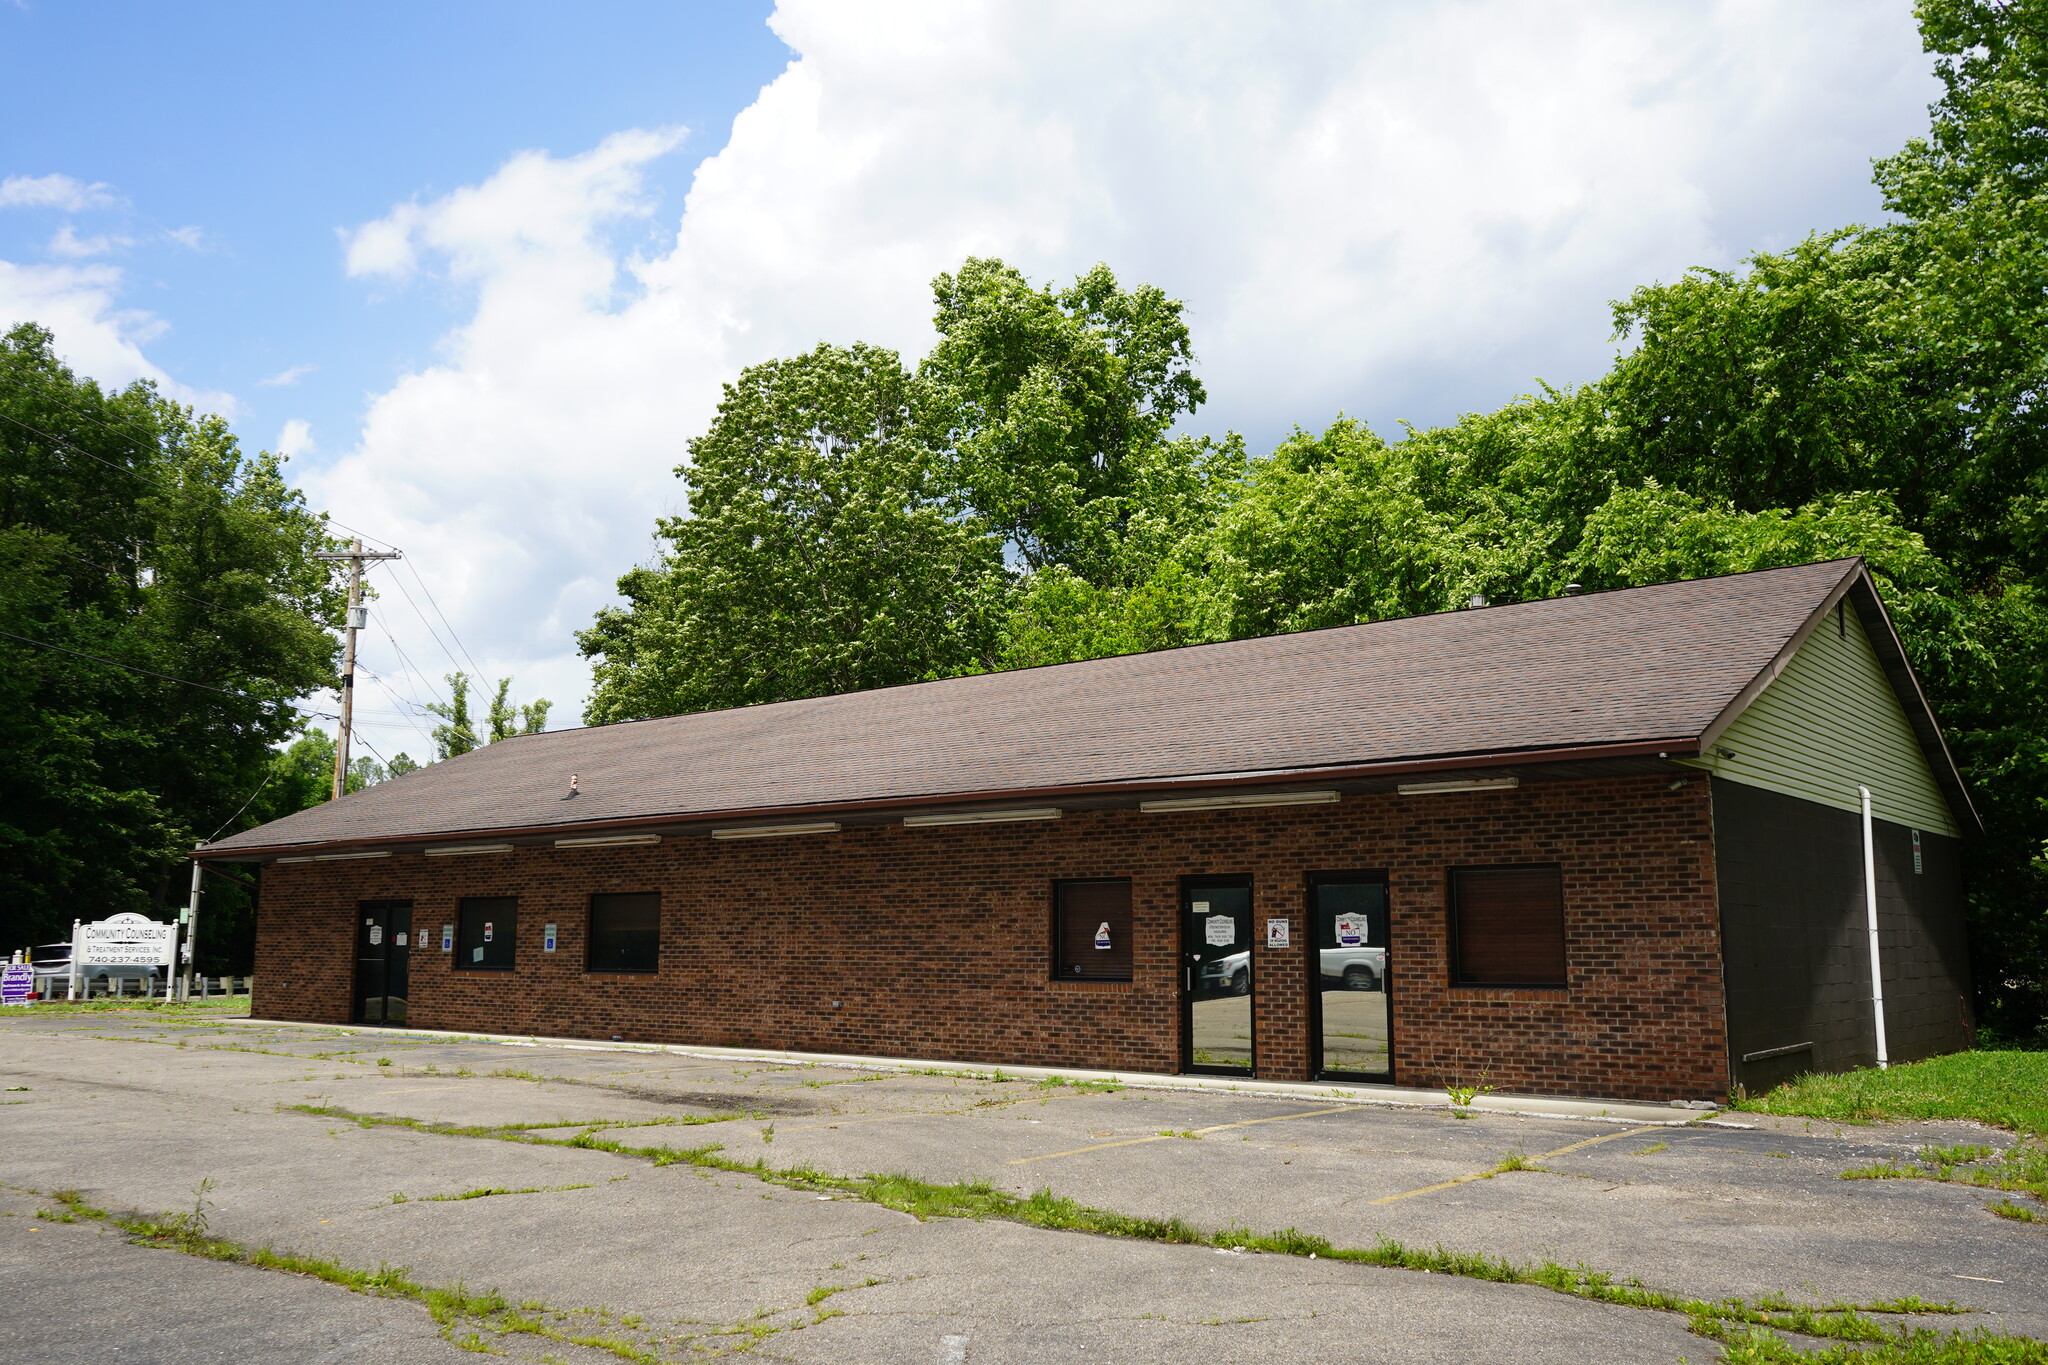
[(936, 943)]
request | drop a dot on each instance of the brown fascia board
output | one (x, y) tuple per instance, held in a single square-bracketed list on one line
[(1684, 744), (1858, 588)]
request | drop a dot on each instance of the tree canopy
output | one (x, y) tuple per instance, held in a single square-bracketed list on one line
[(160, 616), (1027, 495)]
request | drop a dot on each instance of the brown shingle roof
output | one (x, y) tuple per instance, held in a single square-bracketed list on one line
[(1636, 666)]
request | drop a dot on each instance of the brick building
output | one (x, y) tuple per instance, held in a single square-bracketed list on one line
[(1609, 845)]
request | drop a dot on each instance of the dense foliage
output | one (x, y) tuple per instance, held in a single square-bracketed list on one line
[(1021, 497), (160, 614)]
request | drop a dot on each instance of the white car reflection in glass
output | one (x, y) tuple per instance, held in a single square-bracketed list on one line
[(1360, 969)]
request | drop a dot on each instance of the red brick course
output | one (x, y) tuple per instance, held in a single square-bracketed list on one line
[(936, 942)]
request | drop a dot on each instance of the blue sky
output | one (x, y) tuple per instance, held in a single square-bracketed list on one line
[(265, 129), (482, 267)]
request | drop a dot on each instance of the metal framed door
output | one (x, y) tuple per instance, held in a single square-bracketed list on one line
[(1353, 1025), (1216, 976), (383, 961)]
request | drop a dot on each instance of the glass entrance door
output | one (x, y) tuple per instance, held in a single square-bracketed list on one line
[(383, 959), (1349, 912), (1216, 976)]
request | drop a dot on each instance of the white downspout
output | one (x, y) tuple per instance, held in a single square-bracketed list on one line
[(1870, 917)]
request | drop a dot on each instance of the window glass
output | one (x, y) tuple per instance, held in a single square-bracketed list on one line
[(625, 933), (1092, 931), (486, 933), (1508, 926)]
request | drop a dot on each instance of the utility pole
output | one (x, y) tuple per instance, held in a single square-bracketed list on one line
[(190, 937), (358, 617)]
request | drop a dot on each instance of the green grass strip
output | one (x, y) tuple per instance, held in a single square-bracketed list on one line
[(2003, 1089), (2023, 1168), (1718, 1319), (454, 1308)]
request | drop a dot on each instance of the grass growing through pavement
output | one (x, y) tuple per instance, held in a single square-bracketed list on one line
[(2003, 1089), (1747, 1330), (467, 1318), (2023, 1167)]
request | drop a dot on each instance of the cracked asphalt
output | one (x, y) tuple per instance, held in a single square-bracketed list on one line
[(135, 1109)]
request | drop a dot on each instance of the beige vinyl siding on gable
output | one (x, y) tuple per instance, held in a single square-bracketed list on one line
[(1829, 724)]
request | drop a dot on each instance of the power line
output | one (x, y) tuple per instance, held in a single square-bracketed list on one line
[(413, 670), (156, 586), (444, 620), (116, 663), (150, 437), (410, 601)]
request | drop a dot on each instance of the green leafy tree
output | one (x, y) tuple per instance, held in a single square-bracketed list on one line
[(1052, 404), (455, 735), (162, 613), (506, 720), (823, 552)]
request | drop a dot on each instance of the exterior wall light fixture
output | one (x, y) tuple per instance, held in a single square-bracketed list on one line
[(335, 857), (608, 840), (462, 850), (983, 817), (771, 831), (1249, 799), (1461, 784)]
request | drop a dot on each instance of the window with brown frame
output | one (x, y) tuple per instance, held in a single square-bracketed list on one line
[(1092, 930), (1507, 926), (625, 933)]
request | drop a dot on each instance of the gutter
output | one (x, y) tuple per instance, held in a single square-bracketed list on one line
[(1688, 745)]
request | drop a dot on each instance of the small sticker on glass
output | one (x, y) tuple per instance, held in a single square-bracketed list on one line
[(476, 955), (487, 931)]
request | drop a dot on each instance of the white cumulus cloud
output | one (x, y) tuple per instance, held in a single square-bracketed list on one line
[(1395, 211), (295, 438), (54, 192), (284, 379), (92, 333), (69, 245)]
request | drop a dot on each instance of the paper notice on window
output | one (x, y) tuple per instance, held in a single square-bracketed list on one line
[(376, 934), (1220, 930), (1351, 931), (476, 955), (1102, 935)]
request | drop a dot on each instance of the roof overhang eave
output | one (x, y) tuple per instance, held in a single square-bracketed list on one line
[(1276, 778)]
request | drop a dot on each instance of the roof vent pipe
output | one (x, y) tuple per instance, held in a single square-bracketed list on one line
[(1573, 589), (1478, 599)]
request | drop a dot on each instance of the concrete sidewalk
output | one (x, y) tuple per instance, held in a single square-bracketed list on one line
[(1548, 1106)]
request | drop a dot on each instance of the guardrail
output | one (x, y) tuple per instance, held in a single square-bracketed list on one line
[(145, 988)]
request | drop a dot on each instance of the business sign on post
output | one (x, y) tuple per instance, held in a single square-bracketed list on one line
[(124, 940), (17, 982)]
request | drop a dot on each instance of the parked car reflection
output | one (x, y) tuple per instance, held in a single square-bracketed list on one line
[(1359, 969)]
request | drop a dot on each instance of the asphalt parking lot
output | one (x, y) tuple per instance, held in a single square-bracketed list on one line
[(141, 1113)]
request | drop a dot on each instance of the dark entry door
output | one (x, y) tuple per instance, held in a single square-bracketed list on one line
[(383, 955), (1216, 976), (1353, 1029)]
